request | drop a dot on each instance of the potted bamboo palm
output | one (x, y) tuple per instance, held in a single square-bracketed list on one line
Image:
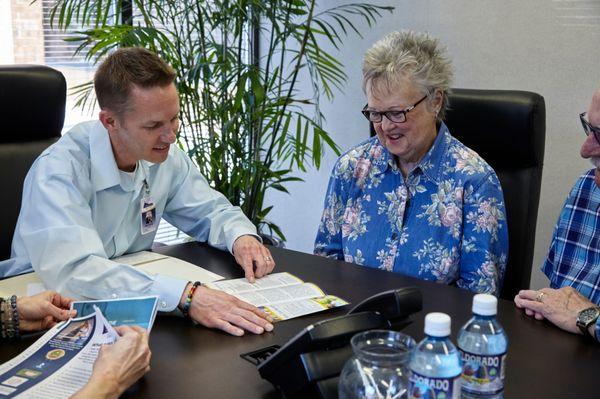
[(240, 65)]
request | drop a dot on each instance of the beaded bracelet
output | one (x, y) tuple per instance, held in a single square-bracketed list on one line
[(13, 304), (10, 318), (188, 300), (2, 317), (5, 315)]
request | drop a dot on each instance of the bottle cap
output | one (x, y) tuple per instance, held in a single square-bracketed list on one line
[(485, 305), (437, 324)]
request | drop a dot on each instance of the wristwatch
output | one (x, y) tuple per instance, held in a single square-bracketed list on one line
[(586, 318)]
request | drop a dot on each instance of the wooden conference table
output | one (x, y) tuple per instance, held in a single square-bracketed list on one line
[(192, 361)]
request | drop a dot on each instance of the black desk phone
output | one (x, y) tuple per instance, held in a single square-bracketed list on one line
[(308, 365)]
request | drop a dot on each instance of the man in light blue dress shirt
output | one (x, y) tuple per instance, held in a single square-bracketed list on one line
[(87, 197)]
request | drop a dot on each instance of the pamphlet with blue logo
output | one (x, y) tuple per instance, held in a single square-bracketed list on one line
[(139, 311), (60, 363)]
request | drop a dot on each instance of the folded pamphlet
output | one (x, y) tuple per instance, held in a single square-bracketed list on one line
[(138, 311), (59, 363)]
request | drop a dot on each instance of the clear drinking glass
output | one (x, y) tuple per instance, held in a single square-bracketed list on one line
[(379, 367)]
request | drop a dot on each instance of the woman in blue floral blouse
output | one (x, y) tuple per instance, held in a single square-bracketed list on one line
[(413, 199)]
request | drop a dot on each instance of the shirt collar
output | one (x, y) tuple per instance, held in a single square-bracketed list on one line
[(387, 159), (105, 173), (431, 164), (595, 190)]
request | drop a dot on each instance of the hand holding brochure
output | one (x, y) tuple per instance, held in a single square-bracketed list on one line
[(59, 363), (282, 295)]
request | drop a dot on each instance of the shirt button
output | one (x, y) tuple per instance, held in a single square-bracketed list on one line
[(394, 236), (163, 304), (113, 296)]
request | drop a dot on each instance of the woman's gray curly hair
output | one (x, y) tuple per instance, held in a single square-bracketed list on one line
[(413, 55)]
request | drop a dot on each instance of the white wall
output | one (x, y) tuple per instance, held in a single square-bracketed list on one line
[(551, 47)]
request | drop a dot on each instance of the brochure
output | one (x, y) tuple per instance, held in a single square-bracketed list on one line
[(138, 311), (282, 295), (59, 363)]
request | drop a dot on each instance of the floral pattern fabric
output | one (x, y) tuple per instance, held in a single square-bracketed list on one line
[(445, 222)]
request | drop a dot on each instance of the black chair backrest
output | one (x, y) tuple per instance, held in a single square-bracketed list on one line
[(32, 106), (508, 129)]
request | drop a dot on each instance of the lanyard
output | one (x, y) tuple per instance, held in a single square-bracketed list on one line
[(145, 182), (146, 188), (148, 216)]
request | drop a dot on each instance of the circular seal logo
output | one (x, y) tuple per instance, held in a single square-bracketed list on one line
[(55, 354)]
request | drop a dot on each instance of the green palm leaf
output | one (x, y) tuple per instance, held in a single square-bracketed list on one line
[(243, 121)]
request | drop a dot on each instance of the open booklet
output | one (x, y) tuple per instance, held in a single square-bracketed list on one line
[(60, 362), (282, 295)]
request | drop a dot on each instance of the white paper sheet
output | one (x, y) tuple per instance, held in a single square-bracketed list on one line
[(18, 285), (150, 262), (154, 263), (35, 288), (138, 258)]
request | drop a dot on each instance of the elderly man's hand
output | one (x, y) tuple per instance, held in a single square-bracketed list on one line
[(560, 306), (255, 258), (217, 309)]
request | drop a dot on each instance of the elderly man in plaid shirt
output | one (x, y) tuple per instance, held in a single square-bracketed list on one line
[(573, 262)]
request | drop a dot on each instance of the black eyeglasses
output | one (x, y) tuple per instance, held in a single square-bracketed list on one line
[(393, 115), (588, 128)]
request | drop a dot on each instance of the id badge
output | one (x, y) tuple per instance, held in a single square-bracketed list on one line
[(148, 215)]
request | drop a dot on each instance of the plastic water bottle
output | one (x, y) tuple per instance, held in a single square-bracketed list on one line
[(482, 344), (435, 363)]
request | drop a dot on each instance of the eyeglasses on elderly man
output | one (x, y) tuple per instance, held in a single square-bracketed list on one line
[(588, 128)]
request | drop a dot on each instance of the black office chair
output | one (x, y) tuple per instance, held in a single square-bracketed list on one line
[(508, 129), (32, 108)]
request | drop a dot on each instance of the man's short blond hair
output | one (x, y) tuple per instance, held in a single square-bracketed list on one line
[(124, 69)]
